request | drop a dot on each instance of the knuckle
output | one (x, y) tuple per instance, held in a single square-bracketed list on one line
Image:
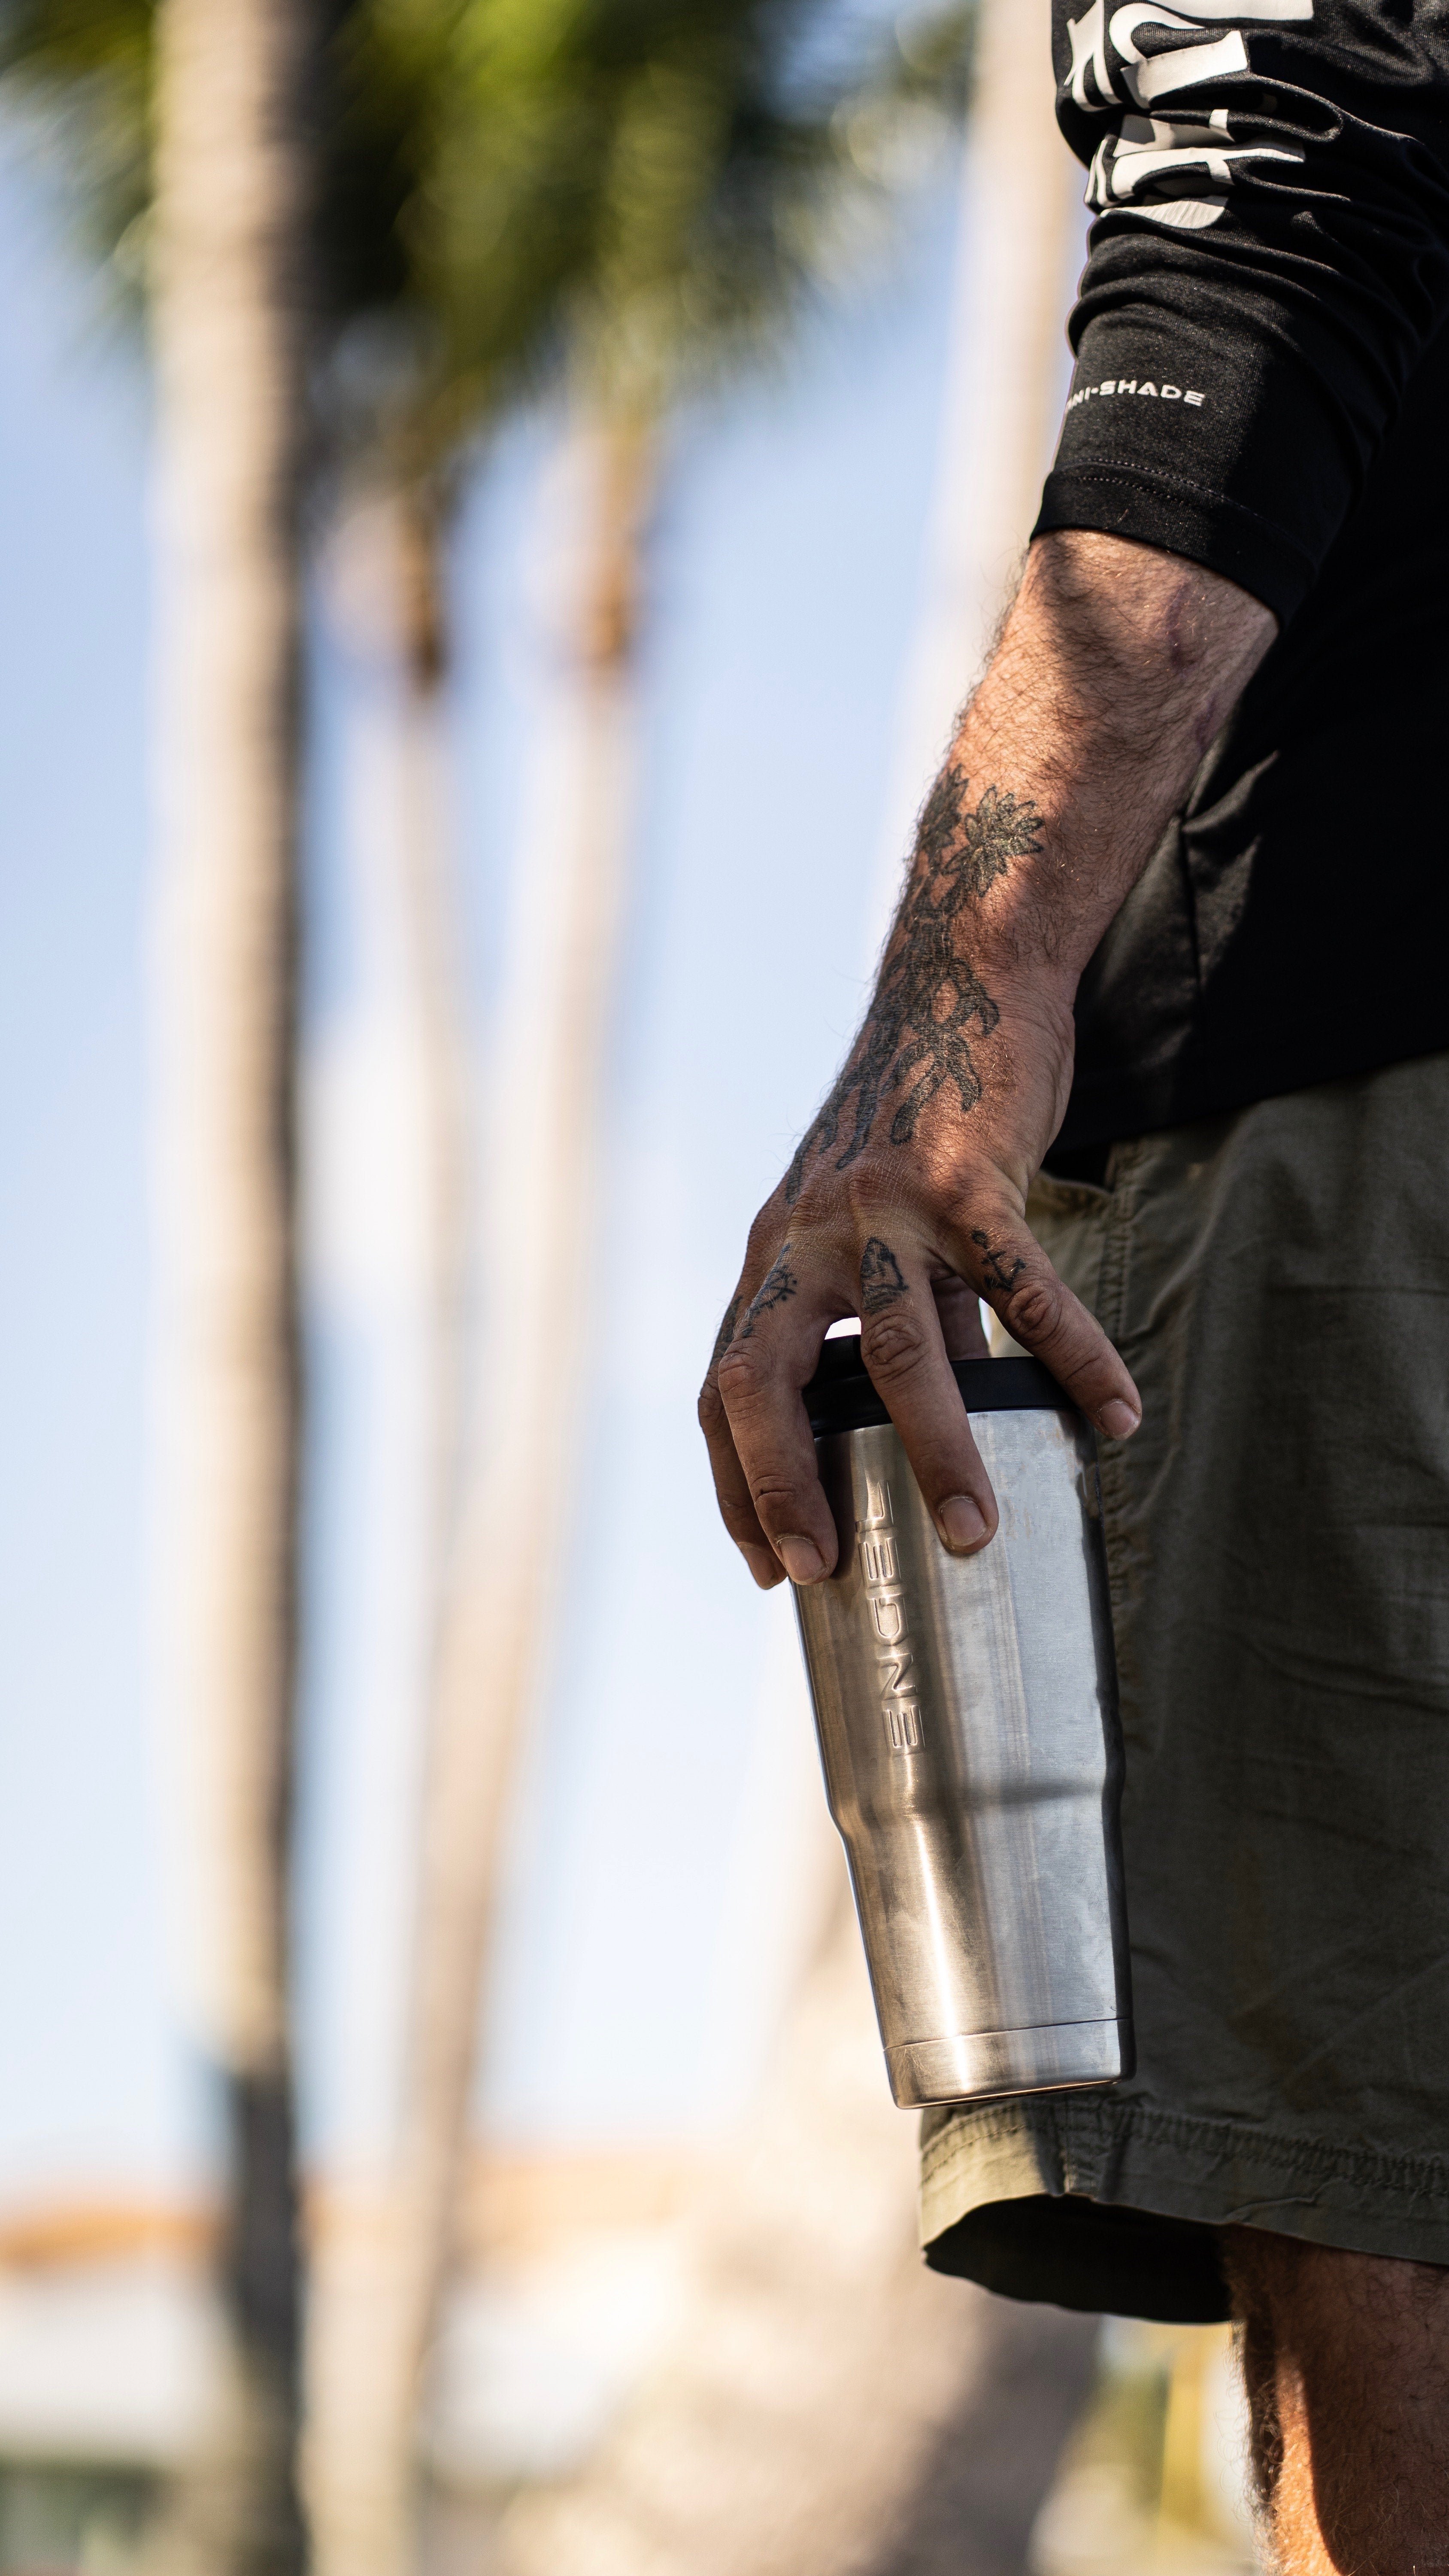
[(710, 1410), (893, 1346), (1033, 1312), (740, 1376), (774, 1494)]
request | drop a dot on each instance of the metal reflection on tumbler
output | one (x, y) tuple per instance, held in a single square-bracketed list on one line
[(967, 1715)]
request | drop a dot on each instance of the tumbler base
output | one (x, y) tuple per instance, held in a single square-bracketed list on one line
[(981, 2064)]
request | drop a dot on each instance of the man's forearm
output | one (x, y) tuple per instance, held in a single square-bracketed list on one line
[(1116, 669)]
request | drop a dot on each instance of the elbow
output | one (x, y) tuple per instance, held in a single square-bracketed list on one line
[(1144, 631)]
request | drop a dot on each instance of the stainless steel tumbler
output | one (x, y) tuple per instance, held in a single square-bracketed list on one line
[(967, 1716)]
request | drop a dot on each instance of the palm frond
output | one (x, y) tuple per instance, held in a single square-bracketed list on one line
[(644, 186), (640, 188), (81, 70)]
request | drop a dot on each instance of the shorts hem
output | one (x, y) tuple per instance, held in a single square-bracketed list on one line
[(1219, 2172)]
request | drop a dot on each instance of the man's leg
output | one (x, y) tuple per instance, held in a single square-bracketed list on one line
[(1346, 2359)]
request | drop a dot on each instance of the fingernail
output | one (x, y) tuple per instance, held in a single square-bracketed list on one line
[(763, 1566), (961, 1522), (801, 1559), (1118, 1419)]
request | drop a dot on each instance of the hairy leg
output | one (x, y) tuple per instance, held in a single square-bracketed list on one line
[(1346, 2360)]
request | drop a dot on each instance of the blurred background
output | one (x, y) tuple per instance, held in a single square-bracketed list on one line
[(500, 500)]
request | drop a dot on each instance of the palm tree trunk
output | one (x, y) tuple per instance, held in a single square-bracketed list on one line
[(433, 914), (545, 1137), (364, 2335), (234, 186), (542, 1188), (501, 1579)]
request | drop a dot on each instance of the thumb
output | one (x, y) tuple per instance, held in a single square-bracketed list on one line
[(1039, 1310)]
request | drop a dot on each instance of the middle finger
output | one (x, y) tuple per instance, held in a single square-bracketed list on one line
[(903, 1347)]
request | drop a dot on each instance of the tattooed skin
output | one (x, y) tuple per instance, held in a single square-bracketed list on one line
[(915, 1037), (779, 1283), (993, 1264), (726, 1333), (880, 1278)]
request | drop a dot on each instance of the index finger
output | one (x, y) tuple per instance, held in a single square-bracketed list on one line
[(774, 1353), (731, 1485)]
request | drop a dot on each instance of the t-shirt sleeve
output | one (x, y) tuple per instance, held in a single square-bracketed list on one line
[(1270, 257)]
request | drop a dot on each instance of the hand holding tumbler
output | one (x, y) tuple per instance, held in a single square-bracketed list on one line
[(967, 1715)]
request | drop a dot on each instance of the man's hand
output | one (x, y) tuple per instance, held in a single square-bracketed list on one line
[(906, 1200)]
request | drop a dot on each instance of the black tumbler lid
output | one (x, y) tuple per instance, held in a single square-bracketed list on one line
[(840, 1396)]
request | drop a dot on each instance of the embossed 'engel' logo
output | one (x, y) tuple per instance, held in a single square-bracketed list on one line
[(900, 1708)]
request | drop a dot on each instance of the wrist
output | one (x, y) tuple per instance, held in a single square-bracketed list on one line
[(1030, 959)]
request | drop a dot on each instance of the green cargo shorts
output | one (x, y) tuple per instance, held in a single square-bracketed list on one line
[(1277, 1280)]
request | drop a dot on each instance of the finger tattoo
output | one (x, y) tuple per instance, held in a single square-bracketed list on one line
[(881, 1282), (726, 1333), (995, 1273), (779, 1284)]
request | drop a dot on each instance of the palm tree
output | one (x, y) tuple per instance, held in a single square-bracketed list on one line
[(483, 190), (193, 127), (705, 202), (235, 179)]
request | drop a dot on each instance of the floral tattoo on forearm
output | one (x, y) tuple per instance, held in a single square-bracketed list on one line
[(915, 1039)]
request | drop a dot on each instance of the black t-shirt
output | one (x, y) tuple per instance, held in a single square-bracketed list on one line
[(1262, 384)]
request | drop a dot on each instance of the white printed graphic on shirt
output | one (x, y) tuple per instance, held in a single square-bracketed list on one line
[(1110, 70), (1130, 385)]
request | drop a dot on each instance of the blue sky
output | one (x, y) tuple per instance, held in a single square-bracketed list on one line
[(648, 1890), (84, 2044)]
